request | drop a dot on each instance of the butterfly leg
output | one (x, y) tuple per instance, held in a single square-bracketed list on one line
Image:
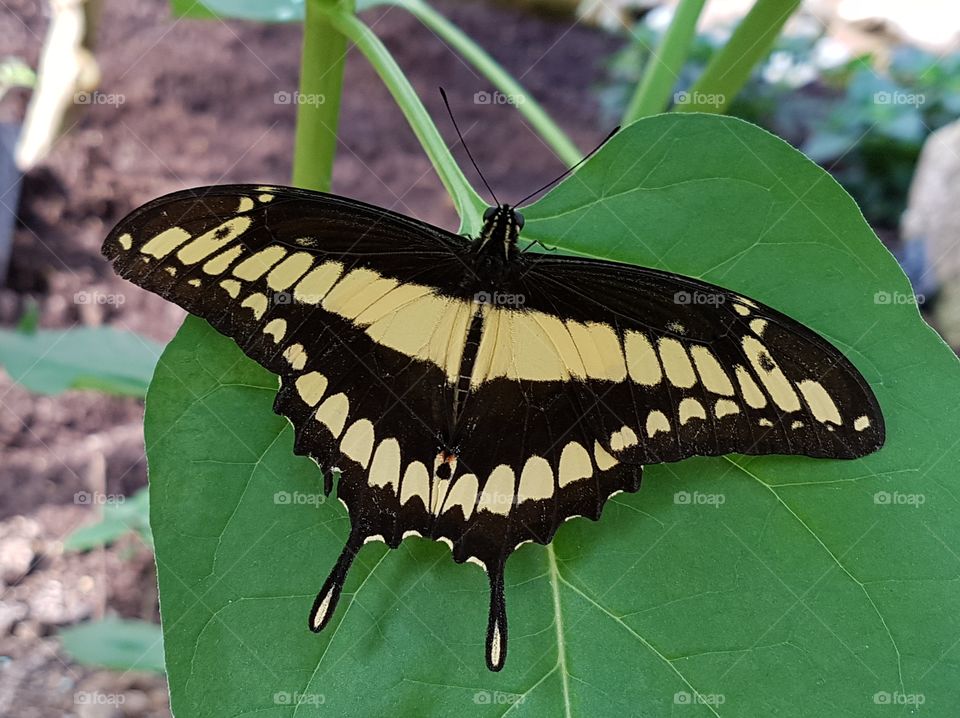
[(497, 624), (326, 601)]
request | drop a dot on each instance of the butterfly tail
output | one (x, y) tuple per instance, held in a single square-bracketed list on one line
[(497, 624), (326, 601)]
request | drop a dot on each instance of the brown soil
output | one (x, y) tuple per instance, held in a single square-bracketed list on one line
[(199, 109)]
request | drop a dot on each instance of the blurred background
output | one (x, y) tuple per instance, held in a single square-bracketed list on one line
[(106, 105)]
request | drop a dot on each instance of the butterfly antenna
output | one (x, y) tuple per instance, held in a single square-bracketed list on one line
[(463, 142), (587, 156)]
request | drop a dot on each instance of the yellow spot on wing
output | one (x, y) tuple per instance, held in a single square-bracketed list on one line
[(600, 350), (232, 286), (724, 407), (357, 442), (498, 493), (691, 409), (213, 240), (861, 423), (676, 363), (276, 328), (712, 375), (257, 265), (165, 242), (356, 292), (289, 271), (463, 493), (819, 401), (748, 387), (603, 458), (385, 467), (332, 413), (245, 204), (642, 360), (311, 387), (536, 480), (125, 240), (315, 285), (771, 375), (219, 263), (657, 421), (415, 482), (574, 464), (257, 302), (296, 355)]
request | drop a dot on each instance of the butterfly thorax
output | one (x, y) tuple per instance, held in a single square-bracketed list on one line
[(501, 228)]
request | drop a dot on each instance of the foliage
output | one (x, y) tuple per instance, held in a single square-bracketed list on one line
[(124, 645), (50, 361), (797, 594), (132, 515), (864, 124)]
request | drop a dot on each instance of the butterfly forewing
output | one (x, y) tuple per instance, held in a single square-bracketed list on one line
[(476, 401)]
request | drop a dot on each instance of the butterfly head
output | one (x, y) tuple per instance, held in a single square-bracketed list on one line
[(501, 228)]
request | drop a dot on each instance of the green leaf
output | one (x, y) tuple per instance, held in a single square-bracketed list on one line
[(274, 11), (115, 643), (49, 361), (775, 586), (194, 9), (119, 518)]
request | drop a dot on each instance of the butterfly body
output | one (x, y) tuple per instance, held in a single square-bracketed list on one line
[(474, 394)]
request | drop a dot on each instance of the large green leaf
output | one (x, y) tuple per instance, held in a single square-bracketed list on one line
[(50, 361), (773, 586)]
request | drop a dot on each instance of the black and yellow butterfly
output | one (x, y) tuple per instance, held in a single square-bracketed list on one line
[(472, 393)]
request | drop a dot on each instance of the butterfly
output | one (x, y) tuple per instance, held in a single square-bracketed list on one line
[(470, 392)]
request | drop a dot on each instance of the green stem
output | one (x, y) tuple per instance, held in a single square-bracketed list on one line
[(730, 68), (660, 76), (318, 107), (468, 203), (498, 77)]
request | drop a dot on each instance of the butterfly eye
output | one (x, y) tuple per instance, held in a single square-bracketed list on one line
[(490, 211), (518, 218)]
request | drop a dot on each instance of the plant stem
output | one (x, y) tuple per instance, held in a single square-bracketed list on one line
[(318, 109), (730, 68), (468, 203), (660, 75), (541, 122)]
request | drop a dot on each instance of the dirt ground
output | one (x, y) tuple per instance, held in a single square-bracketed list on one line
[(198, 108)]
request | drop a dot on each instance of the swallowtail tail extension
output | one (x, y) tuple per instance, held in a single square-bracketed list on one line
[(475, 394)]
